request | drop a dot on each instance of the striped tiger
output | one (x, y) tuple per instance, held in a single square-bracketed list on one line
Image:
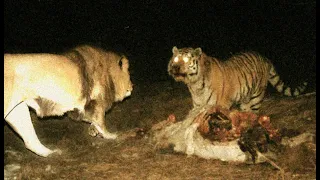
[(240, 81)]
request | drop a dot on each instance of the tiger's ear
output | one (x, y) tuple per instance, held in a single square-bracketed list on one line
[(175, 50), (198, 51)]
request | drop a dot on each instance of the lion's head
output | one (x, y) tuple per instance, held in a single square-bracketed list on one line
[(120, 75), (98, 67)]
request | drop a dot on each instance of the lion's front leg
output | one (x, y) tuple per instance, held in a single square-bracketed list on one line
[(19, 119), (96, 114)]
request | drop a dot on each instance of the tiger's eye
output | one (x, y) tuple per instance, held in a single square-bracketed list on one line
[(185, 59), (176, 59)]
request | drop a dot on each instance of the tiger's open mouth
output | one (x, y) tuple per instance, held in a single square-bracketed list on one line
[(182, 75), (179, 76)]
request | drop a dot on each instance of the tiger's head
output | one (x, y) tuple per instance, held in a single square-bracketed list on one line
[(183, 65)]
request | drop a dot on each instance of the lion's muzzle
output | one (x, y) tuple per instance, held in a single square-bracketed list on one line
[(128, 93)]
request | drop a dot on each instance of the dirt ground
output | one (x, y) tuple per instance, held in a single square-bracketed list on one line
[(86, 157)]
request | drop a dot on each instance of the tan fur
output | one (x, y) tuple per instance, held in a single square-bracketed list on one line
[(241, 80), (85, 80)]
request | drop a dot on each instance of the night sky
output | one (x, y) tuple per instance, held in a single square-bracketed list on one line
[(284, 31)]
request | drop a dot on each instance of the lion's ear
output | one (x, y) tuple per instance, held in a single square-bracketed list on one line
[(175, 50), (123, 63), (120, 63), (198, 51)]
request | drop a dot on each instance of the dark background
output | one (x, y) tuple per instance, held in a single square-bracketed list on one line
[(284, 31)]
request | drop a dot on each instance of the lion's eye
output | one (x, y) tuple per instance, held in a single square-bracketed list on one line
[(185, 59), (176, 59)]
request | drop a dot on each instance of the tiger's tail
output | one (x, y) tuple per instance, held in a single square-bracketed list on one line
[(276, 82)]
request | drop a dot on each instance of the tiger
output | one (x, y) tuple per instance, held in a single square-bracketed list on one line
[(240, 82), (84, 81)]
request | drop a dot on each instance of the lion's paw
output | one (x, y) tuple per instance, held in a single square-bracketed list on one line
[(108, 135), (93, 131), (57, 151), (41, 150)]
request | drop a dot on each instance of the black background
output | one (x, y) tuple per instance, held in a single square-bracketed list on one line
[(146, 31)]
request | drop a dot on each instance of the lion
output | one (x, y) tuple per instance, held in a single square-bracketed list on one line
[(84, 82)]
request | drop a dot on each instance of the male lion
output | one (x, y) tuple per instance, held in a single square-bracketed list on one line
[(85, 81)]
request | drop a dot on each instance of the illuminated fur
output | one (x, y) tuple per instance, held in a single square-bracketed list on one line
[(239, 81), (85, 80)]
